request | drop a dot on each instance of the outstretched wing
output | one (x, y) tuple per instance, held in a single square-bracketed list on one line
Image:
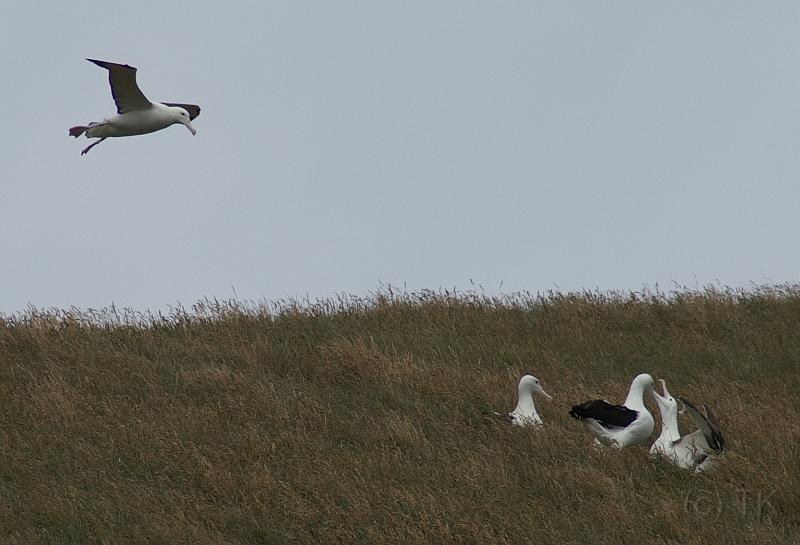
[(193, 109), (604, 413), (126, 93), (708, 423)]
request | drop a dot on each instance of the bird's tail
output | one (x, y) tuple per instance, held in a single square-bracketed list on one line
[(77, 131)]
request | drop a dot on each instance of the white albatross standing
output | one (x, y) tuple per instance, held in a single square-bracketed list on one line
[(524, 414), (135, 114), (619, 425), (692, 451)]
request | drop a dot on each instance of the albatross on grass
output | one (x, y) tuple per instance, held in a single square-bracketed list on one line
[(619, 425), (692, 451), (524, 414), (135, 114)]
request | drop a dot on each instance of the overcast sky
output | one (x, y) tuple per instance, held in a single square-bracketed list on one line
[(541, 145)]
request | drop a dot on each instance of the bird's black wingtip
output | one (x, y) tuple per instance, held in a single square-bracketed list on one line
[(109, 65)]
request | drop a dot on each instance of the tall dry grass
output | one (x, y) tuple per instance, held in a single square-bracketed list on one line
[(362, 420)]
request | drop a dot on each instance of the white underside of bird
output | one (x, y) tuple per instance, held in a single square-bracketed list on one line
[(137, 122)]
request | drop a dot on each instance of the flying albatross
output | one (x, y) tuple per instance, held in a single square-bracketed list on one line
[(135, 114), (524, 414), (691, 451), (619, 425)]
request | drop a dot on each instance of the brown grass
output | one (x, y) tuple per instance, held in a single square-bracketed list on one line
[(361, 420)]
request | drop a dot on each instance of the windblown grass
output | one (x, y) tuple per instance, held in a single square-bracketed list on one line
[(361, 420)]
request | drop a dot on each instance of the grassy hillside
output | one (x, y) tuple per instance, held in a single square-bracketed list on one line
[(362, 421)]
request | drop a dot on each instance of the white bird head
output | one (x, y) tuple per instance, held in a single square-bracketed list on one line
[(667, 404), (642, 382), (530, 385), (639, 386), (182, 117)]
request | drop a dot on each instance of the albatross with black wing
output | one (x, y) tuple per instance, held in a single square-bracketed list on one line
[(619, 425), (135, 113)]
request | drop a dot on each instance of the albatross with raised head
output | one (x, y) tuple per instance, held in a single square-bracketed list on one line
[(619, 425), (692, 451), (135, 114)]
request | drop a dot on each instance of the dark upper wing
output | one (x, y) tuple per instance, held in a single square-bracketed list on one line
[(193, 109), (126, 93), (606, 414), (708, 423)]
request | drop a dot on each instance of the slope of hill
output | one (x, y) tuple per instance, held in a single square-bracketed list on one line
[(362, 420)]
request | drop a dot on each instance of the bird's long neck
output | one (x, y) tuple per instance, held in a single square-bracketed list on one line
[(669, 424), (525, 403), (634, 399)]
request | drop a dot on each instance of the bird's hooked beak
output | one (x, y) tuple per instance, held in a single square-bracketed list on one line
[(545, 394), (189, 126)]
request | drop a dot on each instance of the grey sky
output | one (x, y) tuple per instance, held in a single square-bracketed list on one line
[(343, 144)]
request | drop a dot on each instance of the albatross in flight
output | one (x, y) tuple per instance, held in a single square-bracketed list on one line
[(691, 451), (524, 414), (619, 425), (135, 114)]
